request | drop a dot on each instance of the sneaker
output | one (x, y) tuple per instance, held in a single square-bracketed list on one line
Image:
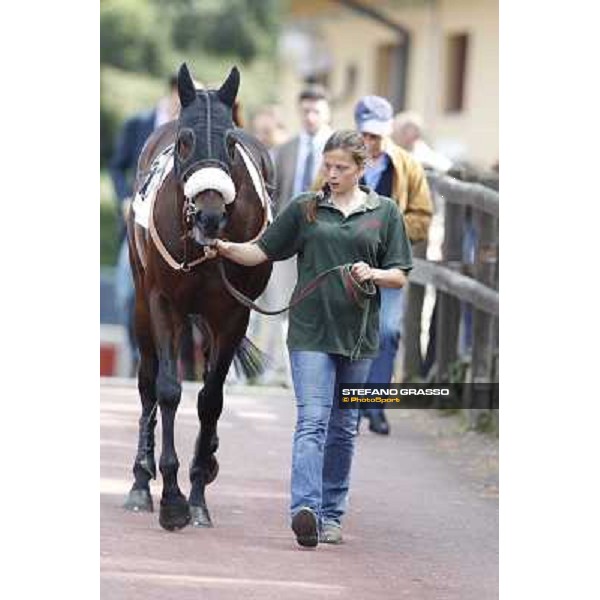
[(304, 525), (331, 533)]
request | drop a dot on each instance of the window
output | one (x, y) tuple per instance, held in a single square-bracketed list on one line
[(457, 49), (390, 73)]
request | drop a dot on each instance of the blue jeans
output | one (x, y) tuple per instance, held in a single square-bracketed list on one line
[(324, 436), (470, 243), (391, 314)]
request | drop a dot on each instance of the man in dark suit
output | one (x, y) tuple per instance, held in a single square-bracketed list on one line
[(130, 141), (123, 165), (297, 162)]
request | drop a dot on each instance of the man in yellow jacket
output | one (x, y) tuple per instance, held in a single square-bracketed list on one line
[(392, 172)]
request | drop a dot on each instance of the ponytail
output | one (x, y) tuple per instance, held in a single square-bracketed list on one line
[(310, 207)]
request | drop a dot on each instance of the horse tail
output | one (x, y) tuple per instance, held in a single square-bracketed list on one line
[(250, 360)]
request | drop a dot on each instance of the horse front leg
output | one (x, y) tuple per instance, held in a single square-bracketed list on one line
[(174, 509), (204, 466)]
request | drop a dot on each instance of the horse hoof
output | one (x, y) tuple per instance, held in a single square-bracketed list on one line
[(200, 516), (213, 470), (174, 516), (139, 501)]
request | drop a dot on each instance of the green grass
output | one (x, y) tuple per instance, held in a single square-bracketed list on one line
[(107, 192), (108, 222), (109, 248), (123, 93), (126, 93)]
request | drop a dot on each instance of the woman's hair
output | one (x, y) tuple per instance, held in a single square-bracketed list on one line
[(352, 142), (345, 139)]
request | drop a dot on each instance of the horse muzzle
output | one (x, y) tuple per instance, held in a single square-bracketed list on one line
[(208, 226), (208, 191)]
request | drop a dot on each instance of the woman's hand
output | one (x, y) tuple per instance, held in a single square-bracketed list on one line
[(219, 248), (388, 278), (210, 252), (247, 254), (362, 272)]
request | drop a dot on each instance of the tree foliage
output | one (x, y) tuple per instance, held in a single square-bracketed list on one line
[(131, 36), (241, 28), (142, 36), (144, 41)]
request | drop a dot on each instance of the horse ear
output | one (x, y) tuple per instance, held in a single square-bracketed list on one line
[(228, 91), (185, 86)]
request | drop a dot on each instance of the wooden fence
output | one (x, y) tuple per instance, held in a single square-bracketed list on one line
[(460, 283)]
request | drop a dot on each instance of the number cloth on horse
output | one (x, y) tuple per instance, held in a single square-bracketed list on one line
[(161, 166)]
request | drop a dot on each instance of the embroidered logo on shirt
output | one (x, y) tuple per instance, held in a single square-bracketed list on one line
[(371, 224)]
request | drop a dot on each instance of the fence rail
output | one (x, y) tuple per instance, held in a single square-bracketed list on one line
[(456, 284), (466, 284), (462, 193)]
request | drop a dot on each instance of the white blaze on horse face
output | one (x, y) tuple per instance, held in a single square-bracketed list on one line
[(210, 178)]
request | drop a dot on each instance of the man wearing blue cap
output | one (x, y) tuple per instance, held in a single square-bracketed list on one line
[(394, 173)]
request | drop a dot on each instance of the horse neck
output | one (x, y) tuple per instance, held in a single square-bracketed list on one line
[(168, 215), (245, 220)]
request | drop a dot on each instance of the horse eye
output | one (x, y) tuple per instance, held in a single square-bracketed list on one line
[(185, 144)]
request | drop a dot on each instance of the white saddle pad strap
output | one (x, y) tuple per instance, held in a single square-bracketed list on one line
[(257, 181)]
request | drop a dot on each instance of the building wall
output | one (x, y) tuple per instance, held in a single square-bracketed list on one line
[(354, 39)]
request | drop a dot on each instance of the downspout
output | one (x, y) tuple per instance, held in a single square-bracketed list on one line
[(403, 38)]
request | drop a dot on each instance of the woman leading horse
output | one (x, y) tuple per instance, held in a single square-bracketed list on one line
[(330, 338)]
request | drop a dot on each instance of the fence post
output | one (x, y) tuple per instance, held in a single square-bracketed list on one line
[(413, 302), (448, 311), (484, 325)]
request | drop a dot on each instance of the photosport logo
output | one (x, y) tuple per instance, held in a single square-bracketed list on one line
[(418, 395)]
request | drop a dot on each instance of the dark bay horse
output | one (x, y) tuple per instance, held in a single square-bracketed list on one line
[(209, 194)]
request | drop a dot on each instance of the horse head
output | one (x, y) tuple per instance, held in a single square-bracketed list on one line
[(202, 162)]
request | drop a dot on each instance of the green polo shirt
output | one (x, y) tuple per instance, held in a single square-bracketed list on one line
[(328, 320)]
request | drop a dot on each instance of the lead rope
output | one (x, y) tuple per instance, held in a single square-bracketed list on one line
[(361, 294), (363, 331)]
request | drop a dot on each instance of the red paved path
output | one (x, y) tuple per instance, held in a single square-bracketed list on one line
[(419, 526)]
